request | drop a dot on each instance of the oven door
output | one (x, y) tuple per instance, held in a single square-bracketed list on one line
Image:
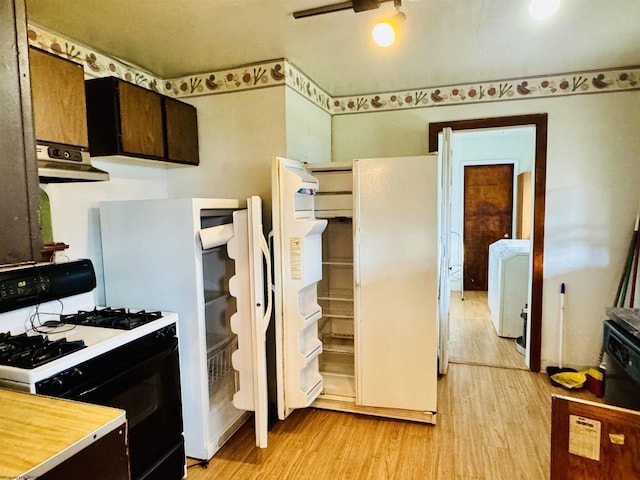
[(143, 379)]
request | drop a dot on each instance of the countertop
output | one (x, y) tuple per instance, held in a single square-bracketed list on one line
[(38, 433)]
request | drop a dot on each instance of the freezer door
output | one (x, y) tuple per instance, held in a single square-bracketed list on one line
[(444, 228), (297, 244), (396, 264), (248, 249)]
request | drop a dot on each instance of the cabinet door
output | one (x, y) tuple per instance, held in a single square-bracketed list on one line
[(181, 125), (140, 121), (57, 91)]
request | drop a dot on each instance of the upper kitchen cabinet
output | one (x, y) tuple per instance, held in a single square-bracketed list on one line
[(182, 131), (57, 91), (126, 119)]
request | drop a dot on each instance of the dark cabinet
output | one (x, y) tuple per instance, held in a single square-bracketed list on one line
[(126, 119), (20, 236), (57, 92), (105, 459), (181, 131)]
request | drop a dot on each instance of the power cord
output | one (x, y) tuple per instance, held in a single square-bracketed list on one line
[(204, 464)]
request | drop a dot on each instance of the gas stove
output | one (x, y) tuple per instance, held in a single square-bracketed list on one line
[(55, 341), (42, 339)]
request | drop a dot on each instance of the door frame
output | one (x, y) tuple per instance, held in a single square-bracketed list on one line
[(539, 121)]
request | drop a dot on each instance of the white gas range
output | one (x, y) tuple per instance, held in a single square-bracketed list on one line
[(55, 341), (83, 342)]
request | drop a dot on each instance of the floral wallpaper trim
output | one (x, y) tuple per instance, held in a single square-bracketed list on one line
[(95, 64), (281, 72), (307, 88), (544, 86), (248, 77)]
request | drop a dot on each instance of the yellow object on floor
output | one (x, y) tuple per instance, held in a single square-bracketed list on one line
[(570, 379)]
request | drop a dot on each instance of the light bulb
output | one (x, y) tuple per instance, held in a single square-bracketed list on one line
[(543, 9), (383, 34)]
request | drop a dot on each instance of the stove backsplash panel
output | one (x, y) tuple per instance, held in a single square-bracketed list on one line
[(34, 284)]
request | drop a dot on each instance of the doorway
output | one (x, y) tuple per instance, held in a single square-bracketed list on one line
[(539, 122), (488, 217)]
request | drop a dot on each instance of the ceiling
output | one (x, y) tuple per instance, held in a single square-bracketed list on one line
[(443, 42)]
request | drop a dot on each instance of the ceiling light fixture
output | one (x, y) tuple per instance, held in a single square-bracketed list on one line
[(384, 32), (543, 9)]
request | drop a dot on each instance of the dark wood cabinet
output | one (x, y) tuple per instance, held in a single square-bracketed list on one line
[(20, 236), (57, 92), (182, 131), (105, 459), (129, 120)]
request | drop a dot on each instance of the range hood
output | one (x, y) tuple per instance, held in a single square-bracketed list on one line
[(62, 163)]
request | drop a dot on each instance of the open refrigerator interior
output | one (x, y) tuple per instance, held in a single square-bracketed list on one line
[(221, 341), (333, 202)]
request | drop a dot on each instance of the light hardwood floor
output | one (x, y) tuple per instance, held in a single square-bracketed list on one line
[(493, 424), (473, 338)]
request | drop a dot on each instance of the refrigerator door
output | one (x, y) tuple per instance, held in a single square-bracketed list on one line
[(444, 289), (396, 263), (297, 240), (250, 321)]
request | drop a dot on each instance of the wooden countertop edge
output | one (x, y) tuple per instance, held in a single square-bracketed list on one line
[(81, 444), (67, 426)]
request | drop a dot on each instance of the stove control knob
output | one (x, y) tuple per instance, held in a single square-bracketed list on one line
[(75, 372), (56, 382)]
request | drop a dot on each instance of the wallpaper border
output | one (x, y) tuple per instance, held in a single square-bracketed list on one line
[(280, 72)]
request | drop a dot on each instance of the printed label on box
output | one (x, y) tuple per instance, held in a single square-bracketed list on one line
[(584, 437)]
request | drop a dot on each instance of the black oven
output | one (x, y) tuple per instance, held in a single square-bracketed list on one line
[(141, 377)]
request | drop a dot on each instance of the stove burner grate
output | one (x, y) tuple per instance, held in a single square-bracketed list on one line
[(31, 351), (108, 317)]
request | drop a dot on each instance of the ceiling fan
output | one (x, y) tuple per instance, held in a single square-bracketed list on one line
[(356, 5)]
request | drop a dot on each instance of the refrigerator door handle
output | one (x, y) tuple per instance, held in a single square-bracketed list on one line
[(267, 258), (270, 237)]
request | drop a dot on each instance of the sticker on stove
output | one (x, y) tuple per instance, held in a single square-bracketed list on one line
[(295, 258), (584, 437)]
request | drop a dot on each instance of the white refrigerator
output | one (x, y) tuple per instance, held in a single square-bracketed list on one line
[(207, 260), (355, 286), (356, 275)]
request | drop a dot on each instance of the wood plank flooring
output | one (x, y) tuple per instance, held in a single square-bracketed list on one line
[(493, 424), (473, 338)]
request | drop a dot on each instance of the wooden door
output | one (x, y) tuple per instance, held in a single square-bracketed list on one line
[(488, 217)]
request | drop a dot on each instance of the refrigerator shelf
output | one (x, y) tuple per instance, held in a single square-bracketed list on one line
[(340, 385), (337, 294), (339, 261), (336, 343), (211, 296), (338, 309), (328, 314)]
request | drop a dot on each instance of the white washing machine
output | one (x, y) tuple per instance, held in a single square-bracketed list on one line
[(508, 285)]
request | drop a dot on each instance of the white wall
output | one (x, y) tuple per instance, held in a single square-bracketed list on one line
[(238, 133), (75, 215), (593, 173), (308, 129)]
